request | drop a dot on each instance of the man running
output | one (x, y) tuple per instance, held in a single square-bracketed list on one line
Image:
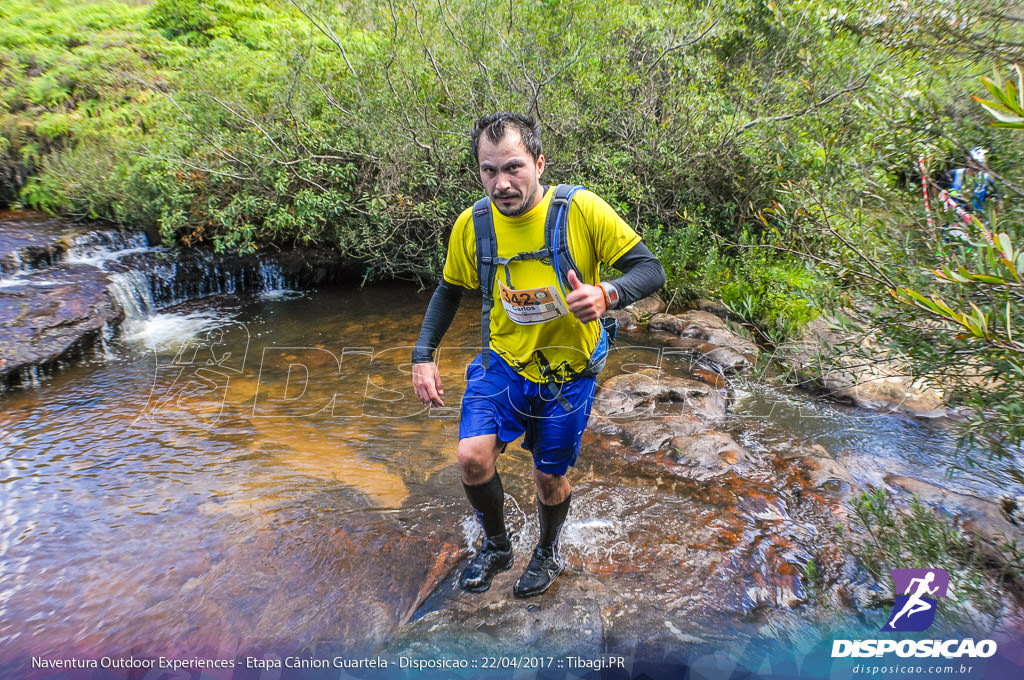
[(544, 341)]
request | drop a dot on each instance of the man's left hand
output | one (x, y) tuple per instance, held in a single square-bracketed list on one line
[(586, 302)]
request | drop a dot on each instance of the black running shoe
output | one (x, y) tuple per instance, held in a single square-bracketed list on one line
[(490, 560), (539, 574)]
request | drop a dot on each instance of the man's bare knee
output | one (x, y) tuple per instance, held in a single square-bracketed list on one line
[(551, 489), (477, 456)]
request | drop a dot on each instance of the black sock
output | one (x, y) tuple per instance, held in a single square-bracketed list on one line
[(488, 499), (551, 519)]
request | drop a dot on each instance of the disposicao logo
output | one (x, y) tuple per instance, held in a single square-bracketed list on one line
[(914, 609), (917, 592)]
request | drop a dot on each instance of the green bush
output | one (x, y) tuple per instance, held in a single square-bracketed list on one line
[(241, 124)]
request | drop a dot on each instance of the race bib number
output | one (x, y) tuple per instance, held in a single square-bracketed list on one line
[(535, 305)]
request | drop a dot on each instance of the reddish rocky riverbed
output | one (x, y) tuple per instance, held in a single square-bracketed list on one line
[(243, 470)]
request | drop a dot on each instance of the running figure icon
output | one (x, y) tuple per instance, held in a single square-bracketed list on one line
[(917, 602)]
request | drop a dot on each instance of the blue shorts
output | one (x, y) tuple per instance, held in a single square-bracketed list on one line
[(503, 403)]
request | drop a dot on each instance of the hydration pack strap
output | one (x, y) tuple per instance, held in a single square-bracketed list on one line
[(486, 260), (556, 234)]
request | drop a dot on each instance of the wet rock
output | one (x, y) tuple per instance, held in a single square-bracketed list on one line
[(827, 474), (648, 393), (30, 240), (53, 315), (701, 325), (635, 572), (631, 316), (657, 425), (694, 353), (706, 338), (1013, 508), (707, 455), (777, 582), (814, 450), (851, 369), (668, 323), (647, 307), (685, 464), (713, 307), (896, 393), (645, 435), (816, 469), (494, 623), (984, 518), (355, 585), (627, 320), (652, 434), (713, 378), (746, 538)]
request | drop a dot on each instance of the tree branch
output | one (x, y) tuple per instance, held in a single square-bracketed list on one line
[(678, 46), (824, 102)]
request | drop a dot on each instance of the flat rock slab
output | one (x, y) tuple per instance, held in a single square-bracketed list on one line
[(647, 435), (700, 325), (646, 307), (497, 624), (648, 393), (52, 315), (342, 590), (749, 522), (694, 352), (985, 518), (30, 240), (898, 394), (861, 375), (636, 573)]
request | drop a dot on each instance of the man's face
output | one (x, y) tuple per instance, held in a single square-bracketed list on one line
[(510, 175)]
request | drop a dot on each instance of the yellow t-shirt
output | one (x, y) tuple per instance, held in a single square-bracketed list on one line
[(596, 234)]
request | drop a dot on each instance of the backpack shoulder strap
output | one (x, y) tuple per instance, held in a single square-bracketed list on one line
[(556, 233), (486, 254)]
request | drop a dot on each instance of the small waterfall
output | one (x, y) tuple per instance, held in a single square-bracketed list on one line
[(154, 280), (271, 277), (98, 247), (133, 290), (273, 283), (147, 283), (106, 335), (12, 265), (71, 283), (93, 248)]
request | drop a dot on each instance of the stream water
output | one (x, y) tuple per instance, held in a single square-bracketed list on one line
[(183, 492)]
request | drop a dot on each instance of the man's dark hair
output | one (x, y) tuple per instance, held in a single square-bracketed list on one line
[(496, 125)]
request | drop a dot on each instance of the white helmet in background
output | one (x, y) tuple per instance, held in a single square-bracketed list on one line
[(978, 153)]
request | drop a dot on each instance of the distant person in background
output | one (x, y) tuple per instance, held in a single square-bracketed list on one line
[(968, 188)]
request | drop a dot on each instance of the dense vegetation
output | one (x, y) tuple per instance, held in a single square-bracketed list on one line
[(768, 151)]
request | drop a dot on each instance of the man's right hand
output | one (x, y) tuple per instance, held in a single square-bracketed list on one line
[(427, 382)]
